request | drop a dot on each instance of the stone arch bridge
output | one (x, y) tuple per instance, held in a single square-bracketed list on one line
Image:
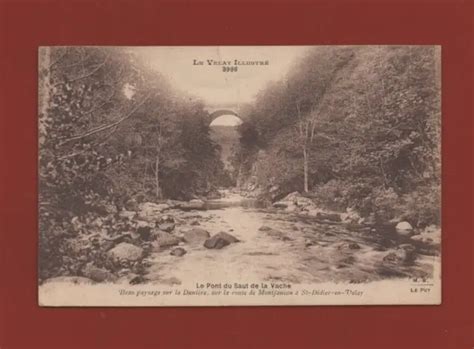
[(219, 110)]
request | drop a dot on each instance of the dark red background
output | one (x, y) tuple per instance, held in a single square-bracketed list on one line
[(27, 24)]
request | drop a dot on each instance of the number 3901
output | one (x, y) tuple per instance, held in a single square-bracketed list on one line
[(229, 69)]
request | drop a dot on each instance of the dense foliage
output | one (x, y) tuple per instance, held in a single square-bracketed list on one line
[(353, 127), (111, 132)]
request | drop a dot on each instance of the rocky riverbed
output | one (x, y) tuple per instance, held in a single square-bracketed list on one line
[(233, 238)]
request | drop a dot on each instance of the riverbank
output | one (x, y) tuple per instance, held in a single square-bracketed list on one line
[(234, 238)]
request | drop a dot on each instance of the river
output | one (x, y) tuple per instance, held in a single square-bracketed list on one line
[(296, 250)]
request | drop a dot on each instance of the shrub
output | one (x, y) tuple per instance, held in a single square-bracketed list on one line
[(331, 194), (422, 207)]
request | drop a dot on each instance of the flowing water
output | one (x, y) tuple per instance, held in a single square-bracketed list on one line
[(296, 249)]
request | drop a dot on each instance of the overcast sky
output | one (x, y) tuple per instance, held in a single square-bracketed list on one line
[(209, 82)]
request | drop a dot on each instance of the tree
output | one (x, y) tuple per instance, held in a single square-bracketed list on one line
[(364, 120), (111, 129)]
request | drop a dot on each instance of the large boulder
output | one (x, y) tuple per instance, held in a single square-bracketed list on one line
[(163, 240), (168, 227), (98, 274), (195, 204), (289, 200), (126, 251), (294, 202), (195, 235), (151, 211), (220, 240), (404, 228)]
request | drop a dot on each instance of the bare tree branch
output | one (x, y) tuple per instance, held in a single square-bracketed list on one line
[(106, 126), (59, 59), (92, 72)]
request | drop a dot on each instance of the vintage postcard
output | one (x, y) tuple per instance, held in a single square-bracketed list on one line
[(239, 175)]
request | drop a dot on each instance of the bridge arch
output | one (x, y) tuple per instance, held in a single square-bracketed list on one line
[(215, 114)]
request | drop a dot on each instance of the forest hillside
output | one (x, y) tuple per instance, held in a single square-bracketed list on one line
[(353, 128)]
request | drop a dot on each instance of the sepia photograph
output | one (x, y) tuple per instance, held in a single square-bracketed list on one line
[(239, 175)]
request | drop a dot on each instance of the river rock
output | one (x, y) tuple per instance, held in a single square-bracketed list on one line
[(295, 201), (313, 212), (432, 229), (404, 254), (166, 219), (138, 280), (220, 240), (139, 224), (178, 252), (289, 200), (170, 281), (195, 235), (305, 203), (333, 217), (404, 228), (168, 227), (345, 262), (350, 216), (291, 208), (76, 280), (430, 236), (348, 245), (214, 195), (126, 251), (163, 240), (195, 204), (280, 204), (131, 205), (310, 242), (127, 214), (175, 203), (292, 197), (151, 211), (189, 215), (98, 274), (264, 228), (115, 240), (145, 233), (190, 206), (277, 234)]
